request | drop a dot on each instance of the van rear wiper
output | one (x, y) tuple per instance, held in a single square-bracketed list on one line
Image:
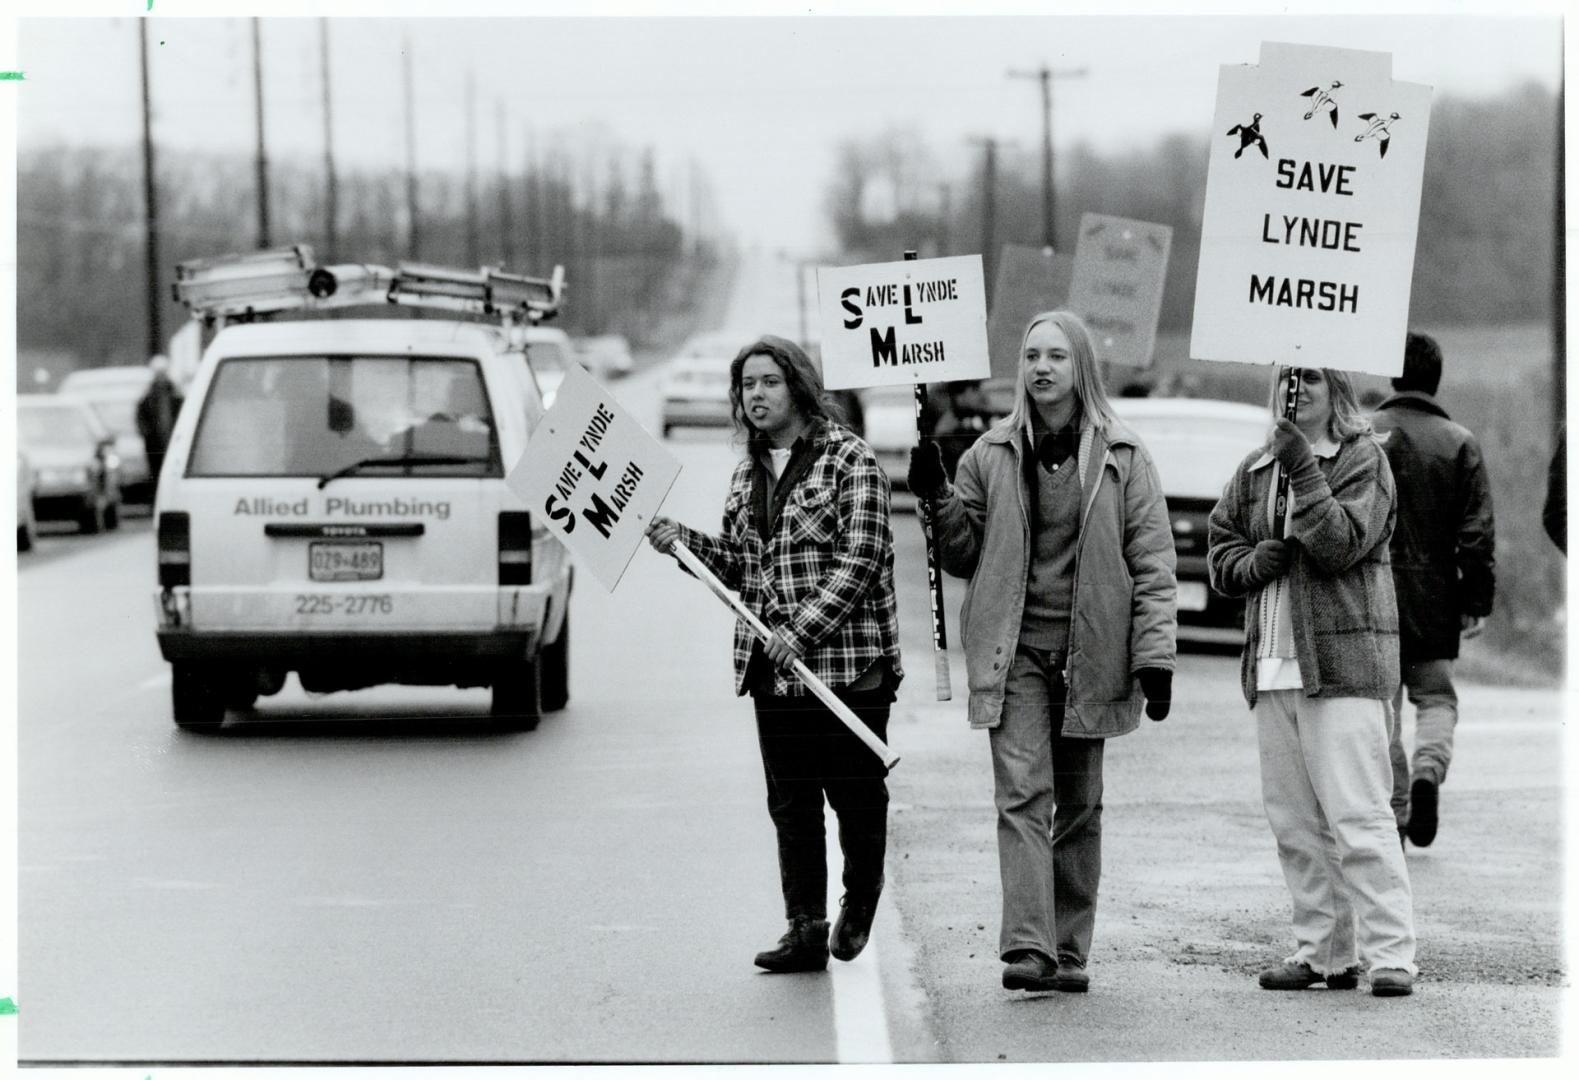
[(406, 459)]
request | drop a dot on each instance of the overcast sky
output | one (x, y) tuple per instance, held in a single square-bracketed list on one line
[(758, 102)]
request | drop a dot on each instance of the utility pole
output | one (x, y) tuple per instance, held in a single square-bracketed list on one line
[(331, 211), (506, 223), (413, 247), (1560, 279), (473, 242), (989, 184), (155, 343), (945, 219), (263, 160), (1045, 76)]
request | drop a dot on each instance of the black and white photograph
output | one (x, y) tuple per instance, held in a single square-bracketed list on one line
[(1024, 535)]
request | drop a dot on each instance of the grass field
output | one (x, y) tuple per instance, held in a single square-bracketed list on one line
[(1497, 381)]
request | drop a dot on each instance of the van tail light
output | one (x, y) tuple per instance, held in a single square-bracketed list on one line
[(175, 548), (515, 547)]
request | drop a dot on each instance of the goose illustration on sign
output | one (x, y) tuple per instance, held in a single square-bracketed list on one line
[(1379, 130), (1249, 135), (1320, 100)]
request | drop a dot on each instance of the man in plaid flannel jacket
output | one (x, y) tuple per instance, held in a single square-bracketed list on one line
[(806, 542)]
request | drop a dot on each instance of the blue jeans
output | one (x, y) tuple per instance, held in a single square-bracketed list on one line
[(1048, 793), (1430, 687)]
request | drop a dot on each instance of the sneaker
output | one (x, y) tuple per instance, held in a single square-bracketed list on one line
[(1030, 970), (1392, 982), (1422, 812), (853, 927), (804, 947), (1071, 976), (1292, 976)]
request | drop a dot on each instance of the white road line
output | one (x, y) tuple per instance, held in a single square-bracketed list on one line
[(860, 1023)]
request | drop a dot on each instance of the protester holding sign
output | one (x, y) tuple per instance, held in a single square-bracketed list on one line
[(1320, 664), (1057, 656), (807, 545)]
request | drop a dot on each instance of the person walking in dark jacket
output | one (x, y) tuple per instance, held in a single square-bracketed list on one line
[(156, 413), (807, 544), (1444, 555)]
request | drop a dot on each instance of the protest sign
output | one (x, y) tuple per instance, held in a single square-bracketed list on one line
[(1312, 205), (1030, 280), (903, 323), (593, 475), (1116, 287)]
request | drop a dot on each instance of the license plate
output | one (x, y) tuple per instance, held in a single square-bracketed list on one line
[(1192, 596), (362, 561)]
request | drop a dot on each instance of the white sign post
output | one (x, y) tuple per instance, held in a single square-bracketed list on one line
[(1312, 205), (594, 476), (903, 323), (1116, 288)]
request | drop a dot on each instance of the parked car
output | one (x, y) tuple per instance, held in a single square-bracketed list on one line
[(608, 356), (889, 414), (695, 385), (549, 353), (73, 455), (335, 503), (1197, 443), (114, 393), (26, 526)]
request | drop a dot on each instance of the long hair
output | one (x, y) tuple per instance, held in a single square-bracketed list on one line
[(800, 377), (1347, 419), (1089, 391)]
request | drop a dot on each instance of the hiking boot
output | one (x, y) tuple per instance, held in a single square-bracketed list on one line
[(1071, 976), (1030, 970), (1422, 812), (1392, 982), (804, 947), (1292, 976), (853, 927)]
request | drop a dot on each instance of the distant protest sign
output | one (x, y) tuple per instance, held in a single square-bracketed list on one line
[(1120, 269), (593, 476), (1029, 280), (903, 323), (1312, 206)]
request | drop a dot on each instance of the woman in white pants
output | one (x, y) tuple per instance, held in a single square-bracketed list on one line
[(1320, 663)]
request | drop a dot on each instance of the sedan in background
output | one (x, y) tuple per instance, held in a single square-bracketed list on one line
[(608, 356), (695, 387), (1197, 444), (889, 413), (549, 353), (114, 393), (77, 470), (26, 527)]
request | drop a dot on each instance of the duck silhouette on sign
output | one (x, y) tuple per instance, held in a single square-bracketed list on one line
[(1321, 99), (1379, 129), (1250, 135)]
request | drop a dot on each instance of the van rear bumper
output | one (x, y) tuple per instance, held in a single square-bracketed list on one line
[(390, 648)]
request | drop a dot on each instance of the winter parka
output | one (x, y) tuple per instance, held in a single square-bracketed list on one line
[(1124, 614)]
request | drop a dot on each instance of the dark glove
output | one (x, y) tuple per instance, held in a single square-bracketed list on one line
[(1290, 446), (1157, 684), (1269, 561), (926, 476)]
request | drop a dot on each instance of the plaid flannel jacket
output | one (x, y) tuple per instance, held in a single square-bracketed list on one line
[(824, 579)]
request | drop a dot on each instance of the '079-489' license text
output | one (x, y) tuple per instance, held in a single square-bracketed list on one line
[(334, 604)]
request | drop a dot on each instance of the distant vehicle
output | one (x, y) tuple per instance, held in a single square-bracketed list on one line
[(1197, 444), (695, 386), (77, 472), (335, 503), (114, 393), (549, 353), (26, 526), (889, 414), (608, 356)]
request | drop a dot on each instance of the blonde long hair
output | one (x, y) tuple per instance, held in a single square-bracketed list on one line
[(1347, 419), (1089, 391)]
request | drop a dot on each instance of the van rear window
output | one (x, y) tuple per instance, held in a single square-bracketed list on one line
[(315, 416)]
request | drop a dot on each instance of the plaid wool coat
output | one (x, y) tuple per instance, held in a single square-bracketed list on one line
[(823, 580)]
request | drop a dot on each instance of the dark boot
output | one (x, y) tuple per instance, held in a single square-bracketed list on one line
[(853, 927), (804, 947)]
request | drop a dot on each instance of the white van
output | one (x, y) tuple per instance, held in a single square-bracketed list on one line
[(333, 503)]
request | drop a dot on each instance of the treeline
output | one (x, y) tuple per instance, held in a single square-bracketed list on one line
[(80, 237), (1484, 252)]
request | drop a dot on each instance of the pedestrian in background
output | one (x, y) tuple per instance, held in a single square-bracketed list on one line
[(156, 413), (1056, 516), (806, 542), (1554, 512), (1444, 557), (1320, 665)]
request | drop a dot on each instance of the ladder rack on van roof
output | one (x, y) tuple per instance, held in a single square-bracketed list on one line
[(251, 285)]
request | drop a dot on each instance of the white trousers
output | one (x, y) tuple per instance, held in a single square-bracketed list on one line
[(1325, 782)]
